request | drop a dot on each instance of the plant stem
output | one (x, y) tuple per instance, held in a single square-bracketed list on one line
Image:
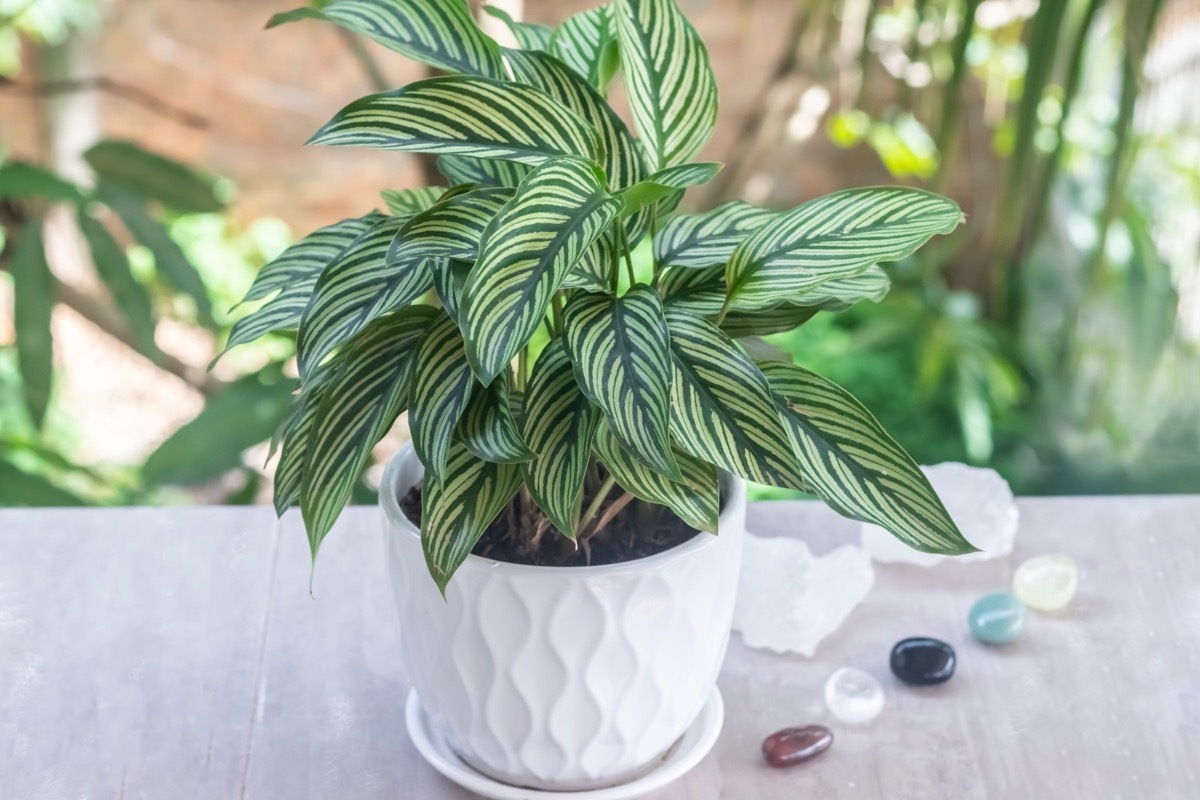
[(523, 367), (558, 313), (598, 500), (628, 255)]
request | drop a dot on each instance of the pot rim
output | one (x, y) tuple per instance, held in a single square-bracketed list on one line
[(734, 491)]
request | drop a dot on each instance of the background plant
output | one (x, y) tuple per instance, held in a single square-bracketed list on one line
[(550, 195)]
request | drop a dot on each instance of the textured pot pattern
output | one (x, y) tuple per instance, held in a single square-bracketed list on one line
[(564, 678)]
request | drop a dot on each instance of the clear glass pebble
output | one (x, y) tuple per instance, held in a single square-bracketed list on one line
[(1047, 583), (853, 696)]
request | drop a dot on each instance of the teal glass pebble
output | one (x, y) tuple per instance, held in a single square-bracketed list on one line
[(997, 618)]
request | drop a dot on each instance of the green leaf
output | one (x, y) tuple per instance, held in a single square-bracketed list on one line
[(487, 427), (449, 279), (529, 35), (764, 322), (457, 510), (527, 252), (855, 466), (355, 288), (667, 183), (244, 414), (450, 229), (359, 403), (621, 156), (291, 278), (169, 260), (559, 424), (408, 202), (836, 236), (670, 84), (294, 431), (620, 349), (481, 171), (20, 488), (595, 267), (722, 410), (462, 115), (153, 176), (696, 499), (295, 15), (130, 297), (33, 303), (442, 385), (872, 284), (697, 291), (587, 43), (704, 240), (21, 181), (440, 33)]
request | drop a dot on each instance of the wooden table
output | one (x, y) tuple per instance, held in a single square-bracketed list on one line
[(176, 653)]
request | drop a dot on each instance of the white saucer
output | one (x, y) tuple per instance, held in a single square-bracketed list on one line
[(687, 752)]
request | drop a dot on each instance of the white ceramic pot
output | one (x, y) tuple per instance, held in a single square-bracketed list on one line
[(564, 678)]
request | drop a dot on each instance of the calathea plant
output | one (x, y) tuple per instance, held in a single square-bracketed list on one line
[(507, 315)]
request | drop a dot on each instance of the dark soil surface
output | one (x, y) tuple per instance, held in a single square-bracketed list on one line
[(638, 531)]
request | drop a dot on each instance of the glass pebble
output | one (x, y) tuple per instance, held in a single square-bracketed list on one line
[(1046, 583), (796, 745), (997, 618), (853, 696)]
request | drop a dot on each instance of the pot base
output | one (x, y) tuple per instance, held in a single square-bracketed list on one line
[(685, 754)]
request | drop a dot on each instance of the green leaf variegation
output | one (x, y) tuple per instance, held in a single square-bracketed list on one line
[(407, 202), (529, 35), (481, 171), (487, 427), (559, 423), (358, 404), (587, 43), (463, 115), (665, 183), (527, 252), (442, 385), (457, 509), (836, 236), (855, 466), (620, 349), (291, 278), (721, 406), (704, 240), (668, 78), (695, 498), (450, 229)]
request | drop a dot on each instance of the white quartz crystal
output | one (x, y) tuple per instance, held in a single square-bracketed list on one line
[(853, 696), (789, 600), (979, 501)]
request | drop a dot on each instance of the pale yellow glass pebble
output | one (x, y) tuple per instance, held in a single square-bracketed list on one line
[(1046, 583)]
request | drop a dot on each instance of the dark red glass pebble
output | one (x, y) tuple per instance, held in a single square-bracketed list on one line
[(922, 661), (796, 745)]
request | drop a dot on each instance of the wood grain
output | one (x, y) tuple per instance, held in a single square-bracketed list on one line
[(176, 653)]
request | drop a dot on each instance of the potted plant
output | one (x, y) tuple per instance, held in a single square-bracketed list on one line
[(577, 363)]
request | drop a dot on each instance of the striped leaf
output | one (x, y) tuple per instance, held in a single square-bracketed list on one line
[(855, 466), (696, 500), (873, 285), (697, 291), (622, 158), (463, 115), (407, 202), (358, 404), (704, 240), (481, 171), (527, 252), (667, 186), (355, 288), (596, 265), (457, 510), (487, 427), (587, 43), (450, 229), (291, 278), (442, 385), (836, 236), (559, 424), (620, 349), (440, 33), (529, 35), (294, 432), (722, 410), (449, 278), (670, 84), (785, 317)]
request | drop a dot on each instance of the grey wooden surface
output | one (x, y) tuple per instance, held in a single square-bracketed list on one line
[(176, 653)]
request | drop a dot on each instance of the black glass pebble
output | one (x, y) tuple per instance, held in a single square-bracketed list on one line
[(922, 661)]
